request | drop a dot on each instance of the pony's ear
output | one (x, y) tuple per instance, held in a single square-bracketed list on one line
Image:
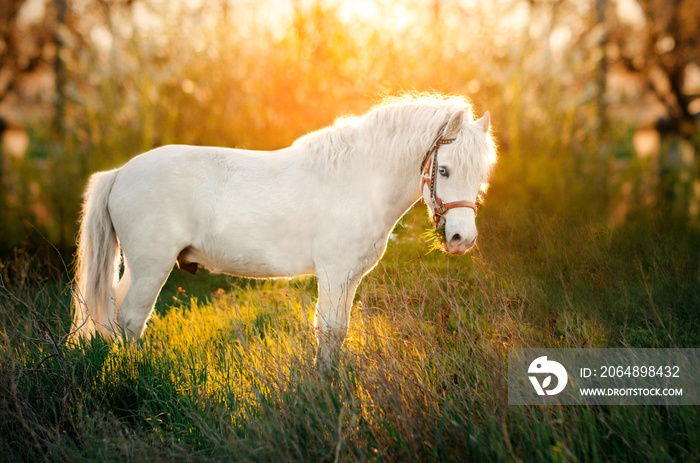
[(484, 123), (454, 125)]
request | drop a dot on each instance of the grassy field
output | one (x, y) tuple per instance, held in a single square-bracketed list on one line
[(224, 371)]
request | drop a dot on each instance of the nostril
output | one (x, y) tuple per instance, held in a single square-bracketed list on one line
[(456, 239)]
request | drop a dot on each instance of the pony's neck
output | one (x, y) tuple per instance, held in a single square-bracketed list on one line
[(397, 183)]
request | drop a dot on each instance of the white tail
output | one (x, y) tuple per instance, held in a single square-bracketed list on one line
[(97, 263)]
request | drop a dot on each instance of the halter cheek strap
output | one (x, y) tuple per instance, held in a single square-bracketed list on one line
[(429, 177)]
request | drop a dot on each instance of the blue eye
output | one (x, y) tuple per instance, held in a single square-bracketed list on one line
[(443, 171)]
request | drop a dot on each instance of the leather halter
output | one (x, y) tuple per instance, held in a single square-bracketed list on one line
[(429, 178)]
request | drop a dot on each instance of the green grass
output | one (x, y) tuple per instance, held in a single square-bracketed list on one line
[(224, 371)]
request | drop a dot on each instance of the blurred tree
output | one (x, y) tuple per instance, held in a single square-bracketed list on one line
[(26, 51), (22, 51), (662, 49)]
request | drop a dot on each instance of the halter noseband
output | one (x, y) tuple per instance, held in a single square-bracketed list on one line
[(429, 177)]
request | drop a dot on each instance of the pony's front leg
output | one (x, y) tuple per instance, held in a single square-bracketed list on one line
[(335, 297)]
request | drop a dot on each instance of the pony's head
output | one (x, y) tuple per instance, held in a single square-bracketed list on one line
[(456, 168)]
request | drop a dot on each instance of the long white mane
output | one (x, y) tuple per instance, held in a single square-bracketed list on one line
[(399, 127)]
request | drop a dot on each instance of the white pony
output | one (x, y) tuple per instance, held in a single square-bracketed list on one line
[(325, 206)]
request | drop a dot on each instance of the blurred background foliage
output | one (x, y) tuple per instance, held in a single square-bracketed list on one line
[(590, 232), (595, 103)]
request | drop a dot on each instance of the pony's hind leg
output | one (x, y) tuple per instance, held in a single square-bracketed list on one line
[(144, 277)]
